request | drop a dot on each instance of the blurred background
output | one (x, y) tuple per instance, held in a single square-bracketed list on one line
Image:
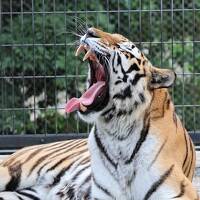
[(39, 72)]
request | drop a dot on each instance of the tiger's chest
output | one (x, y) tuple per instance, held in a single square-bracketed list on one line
[(136, 177), (121, 179)]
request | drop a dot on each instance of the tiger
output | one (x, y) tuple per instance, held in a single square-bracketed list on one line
[(138, 148)]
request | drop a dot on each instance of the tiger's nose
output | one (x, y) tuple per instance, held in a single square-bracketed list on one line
[(89, 34)]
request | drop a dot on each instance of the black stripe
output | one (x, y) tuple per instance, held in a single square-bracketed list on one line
[(77, 145), (124, 112), (137, 78), (77, 174), (20, 153), (49, 155), (158, 153), (102, 188), (190, 165), (182, 190), (186, 153), (61, 193), (168, 104), (40, 160), (85, 187), (158, 183), (139, 61), (71, 193), (126, 54), (108, 117), (121, 112), (132, 46), (67, 151), (56, 149), (136, 104), (144, 62), (103, 150), (15, 173), (33, 154), (142, 98), (44, 165), (61, 174), (49, 147), (139, 143), (131, 56), (87, 194), (87, 179), (118, 82), (113, 62), (119, 62), (84, 160), (133, 67), (124, 94), (64, 159), (18, 197), (28, 195)]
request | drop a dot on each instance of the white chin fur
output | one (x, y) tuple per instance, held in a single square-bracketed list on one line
[(90, 117)]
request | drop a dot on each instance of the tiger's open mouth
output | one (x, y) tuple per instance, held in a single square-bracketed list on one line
[(96, 96)]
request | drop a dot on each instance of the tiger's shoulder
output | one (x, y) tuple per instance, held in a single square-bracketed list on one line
[(171, 133)]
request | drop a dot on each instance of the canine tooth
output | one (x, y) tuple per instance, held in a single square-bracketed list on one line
[(79, 50), (82, 107), (88, 54)]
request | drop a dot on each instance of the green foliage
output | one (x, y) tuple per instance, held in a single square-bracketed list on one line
[(41, 44)]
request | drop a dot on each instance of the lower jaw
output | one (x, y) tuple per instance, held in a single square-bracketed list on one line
[(98, 105)]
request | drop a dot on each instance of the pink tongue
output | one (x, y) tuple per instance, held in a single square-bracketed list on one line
[(86, 99)]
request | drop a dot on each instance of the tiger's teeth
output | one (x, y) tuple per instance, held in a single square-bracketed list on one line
[(87, 55), (79, 50), (82, 107)]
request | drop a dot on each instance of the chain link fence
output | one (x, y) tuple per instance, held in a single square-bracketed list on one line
[(39, 72)]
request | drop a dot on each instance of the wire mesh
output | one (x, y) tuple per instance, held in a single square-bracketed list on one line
[(38, 71)]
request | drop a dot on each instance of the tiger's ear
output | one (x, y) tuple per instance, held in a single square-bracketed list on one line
[(161, 78)]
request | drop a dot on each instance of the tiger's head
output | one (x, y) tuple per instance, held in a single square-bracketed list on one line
[(120, 78)]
